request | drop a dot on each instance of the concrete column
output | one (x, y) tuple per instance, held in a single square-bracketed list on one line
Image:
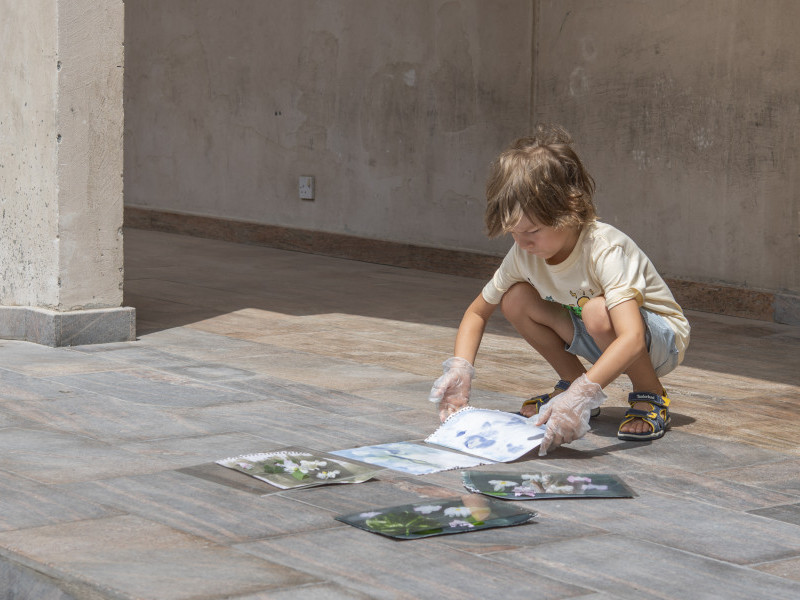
[(61, 140)]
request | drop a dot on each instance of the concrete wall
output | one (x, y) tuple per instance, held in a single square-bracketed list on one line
[(685, 112), (61, 154), (90, 120), (396, 108), (28, 183)]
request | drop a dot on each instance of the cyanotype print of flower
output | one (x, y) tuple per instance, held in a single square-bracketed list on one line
[(594, 486), (460, 523), (523, 490), (289, 466), (406, 523), (457, 511), (560, 489), (427, 508), (500, 485), (311, 465), (575, 478)]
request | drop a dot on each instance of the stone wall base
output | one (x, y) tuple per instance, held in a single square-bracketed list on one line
[(71, 328)]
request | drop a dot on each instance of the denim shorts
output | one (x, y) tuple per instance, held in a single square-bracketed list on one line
[(659, 337)]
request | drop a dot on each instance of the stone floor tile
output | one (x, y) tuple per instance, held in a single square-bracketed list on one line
[(247, 349), (428, 568), (310, 396), (109, 419), (18, 581), (776, 434), (731, 536), (7, 420), (414, 396), (210, 372), (705, 488), (550, 528), (246, 323), (322, 591), (779, 475), (163, 315), (133, 354), (225, 291), (54, 457), (160, 387), (336, 374), (789, 513), (205, 509), (737, 346), (25, 503), (597, 596), (219, 475), (137, 558), (614, 564), (788, 569), (200, 346), (347, 345), (404, 425), (40, 361), (195, 450), (724, 386), (685, 451), (291, 425), (415, 424)]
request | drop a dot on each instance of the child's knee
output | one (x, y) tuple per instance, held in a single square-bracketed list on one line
[(516, 299), (596, 318)]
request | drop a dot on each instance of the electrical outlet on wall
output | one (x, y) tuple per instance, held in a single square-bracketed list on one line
[(305, 187)]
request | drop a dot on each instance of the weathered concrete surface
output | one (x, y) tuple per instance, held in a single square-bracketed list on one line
[(396, 108), (28, 156), (61, 154), (687, 114), (90, 122)]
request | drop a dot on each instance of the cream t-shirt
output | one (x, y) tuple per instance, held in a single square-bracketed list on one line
[(604, 262)]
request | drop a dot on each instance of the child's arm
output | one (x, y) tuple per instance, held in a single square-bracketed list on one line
[(567, 416), (451, 391), (473, 324)]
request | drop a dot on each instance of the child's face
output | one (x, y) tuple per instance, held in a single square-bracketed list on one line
[(553, 245)]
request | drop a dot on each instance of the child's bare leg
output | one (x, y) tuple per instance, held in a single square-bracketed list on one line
[(641, 373), (546, 326)]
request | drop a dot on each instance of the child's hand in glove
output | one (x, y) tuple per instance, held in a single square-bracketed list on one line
[(567, 415), (452, 389)]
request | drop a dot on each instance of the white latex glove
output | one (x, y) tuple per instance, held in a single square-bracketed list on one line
[(567, 415), (451, 390)]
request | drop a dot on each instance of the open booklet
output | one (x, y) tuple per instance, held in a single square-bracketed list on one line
[(480, 436), (491, 434)]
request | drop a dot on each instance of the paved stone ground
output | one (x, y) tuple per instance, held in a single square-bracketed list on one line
[(108, 487)]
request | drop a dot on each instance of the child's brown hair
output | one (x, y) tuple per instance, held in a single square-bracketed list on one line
[(541, 177)]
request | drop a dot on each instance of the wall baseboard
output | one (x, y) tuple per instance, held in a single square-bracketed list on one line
[(68, 328), (691, 295)]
